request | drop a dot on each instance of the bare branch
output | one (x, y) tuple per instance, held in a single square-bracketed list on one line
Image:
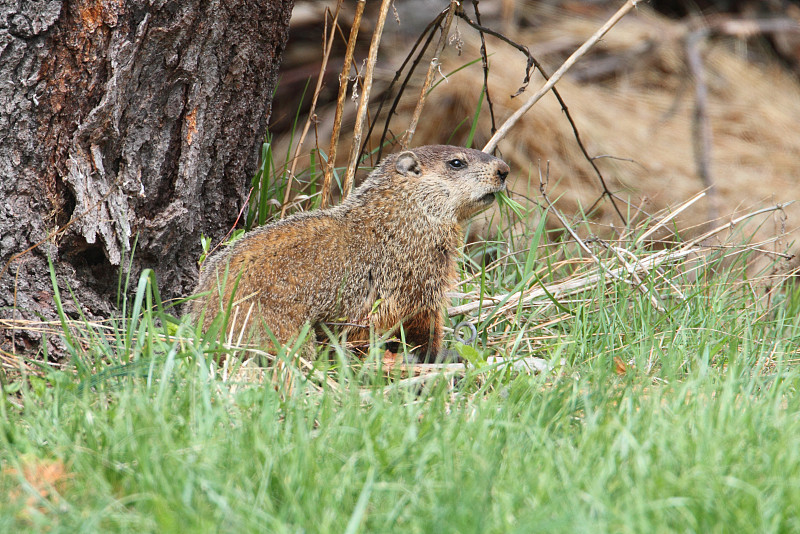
[(412, 127), (432, 27), (355, 147), (580, 52), (527, 297), (485, 65), (337, 121), (670, 217), (701, 127), (429, 28), (613, 274), (326, 53), (531, 63)]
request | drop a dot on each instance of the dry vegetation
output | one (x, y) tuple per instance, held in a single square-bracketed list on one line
[(634, 100)]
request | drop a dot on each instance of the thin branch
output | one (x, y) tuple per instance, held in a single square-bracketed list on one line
[(653, 261), (733, 222), (701, 127), (337, 121), (618, 252), (429, 28), (531, 63), (580, 52), (355, 147), (631, 272), (619, 158), (522, 48), (670, 217), (432, 66), (326, 53), (432, 27), (485, 65), (606, 191)]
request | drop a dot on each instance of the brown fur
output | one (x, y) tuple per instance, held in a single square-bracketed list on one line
[(394, 239)]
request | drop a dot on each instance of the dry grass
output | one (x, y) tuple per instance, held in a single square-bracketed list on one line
[(635, 113), (524, 323)]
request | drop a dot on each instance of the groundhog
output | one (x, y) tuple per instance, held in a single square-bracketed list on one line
[(382, 258)]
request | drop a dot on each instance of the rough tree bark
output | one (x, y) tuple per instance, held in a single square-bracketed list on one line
[(127, 120)]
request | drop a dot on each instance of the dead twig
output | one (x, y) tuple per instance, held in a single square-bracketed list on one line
[(522, 48), (485, 65), (534, 296), (337, 120), (355, 147), (701, 127), (514, 118), (733, 222), (533, 62), (327, 41), (631, 272), (430, 30), (670, 217), (432, 67)]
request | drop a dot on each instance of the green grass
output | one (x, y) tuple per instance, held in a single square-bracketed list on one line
[(681, 419)]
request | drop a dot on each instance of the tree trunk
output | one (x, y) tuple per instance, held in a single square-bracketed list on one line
[(122, 122)]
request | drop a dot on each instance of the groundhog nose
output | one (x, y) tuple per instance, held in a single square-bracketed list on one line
[(502, 172)]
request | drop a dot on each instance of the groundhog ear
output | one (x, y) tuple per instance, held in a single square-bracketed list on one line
[(407, 163)]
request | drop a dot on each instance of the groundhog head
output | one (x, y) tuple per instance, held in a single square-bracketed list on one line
[(452, 182)]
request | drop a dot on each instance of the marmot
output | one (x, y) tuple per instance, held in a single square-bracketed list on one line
[(384, 256)]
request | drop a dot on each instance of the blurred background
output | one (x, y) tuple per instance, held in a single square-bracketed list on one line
[(679, 97)]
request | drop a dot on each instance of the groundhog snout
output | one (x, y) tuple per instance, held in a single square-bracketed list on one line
[(502, 171)]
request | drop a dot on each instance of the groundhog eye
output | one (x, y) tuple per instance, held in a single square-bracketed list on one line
[(456, 163)]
